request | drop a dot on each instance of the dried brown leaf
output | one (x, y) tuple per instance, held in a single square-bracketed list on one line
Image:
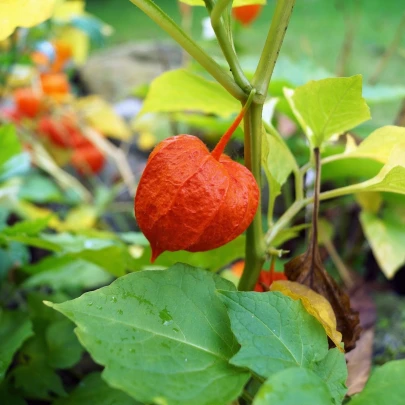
[(308, 269)]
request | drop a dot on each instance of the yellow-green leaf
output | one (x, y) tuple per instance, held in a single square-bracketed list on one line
[(379, 144), (386, 237), (329, 107), (23, 13), (180, 90), (101, 116), (315, 304)]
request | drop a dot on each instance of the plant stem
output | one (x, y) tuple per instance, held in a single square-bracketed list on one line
[(227, 46), (285, 219), (278, 28), (255, 248), (219, 149), (166, 23)]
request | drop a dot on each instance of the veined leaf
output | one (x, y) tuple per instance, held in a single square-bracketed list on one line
[(274, 331), (328, 107), (316, 305), (333, 371), (163, 336)]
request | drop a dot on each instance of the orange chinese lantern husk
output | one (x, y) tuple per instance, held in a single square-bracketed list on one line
[(191, 199)]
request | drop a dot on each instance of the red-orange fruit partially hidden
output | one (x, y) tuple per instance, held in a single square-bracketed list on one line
[(189, 199), (246, 14)]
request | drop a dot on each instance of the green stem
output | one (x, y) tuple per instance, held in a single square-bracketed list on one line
[(271, 49), (219, 149), (227, 46), (255, 248), (166, 23), (285, 219)]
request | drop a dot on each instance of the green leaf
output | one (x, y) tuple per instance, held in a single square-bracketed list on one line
[(10, 145), (292, 387), (163, 336), (111, 255), (15, 328), (37, 241), (387, 240), (212, 260), (175, 91), (93, 390), (15, 166), (28, 227), (278, 163), (385, 386), (40, 189), (274, 331), (328, 107), (38, 381), (9, 394), (333, 371), (61, 273), (13, 256), (391, 178), (64, 350)]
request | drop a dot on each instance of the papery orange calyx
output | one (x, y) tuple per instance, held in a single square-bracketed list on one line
[(190, 199)]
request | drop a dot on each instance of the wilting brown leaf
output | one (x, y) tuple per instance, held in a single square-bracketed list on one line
[(315, 304), (359, 360), (308, 269)]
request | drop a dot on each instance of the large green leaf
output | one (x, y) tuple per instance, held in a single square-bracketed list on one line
[(15, 328), (292, 387), (180, 90), (274, 331), (333, 371), (386, 237), (328, 107), (384, 387), (93, 390), (163, 336)]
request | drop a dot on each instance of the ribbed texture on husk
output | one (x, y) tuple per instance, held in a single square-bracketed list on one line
[(187, 200)]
